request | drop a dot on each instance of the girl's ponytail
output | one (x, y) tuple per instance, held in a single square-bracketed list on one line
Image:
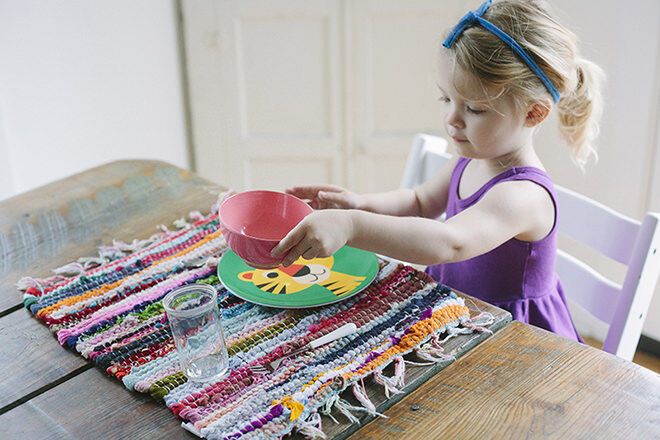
[(580, 110)]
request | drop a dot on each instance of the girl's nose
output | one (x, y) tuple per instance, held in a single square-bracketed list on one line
[(455, 120)]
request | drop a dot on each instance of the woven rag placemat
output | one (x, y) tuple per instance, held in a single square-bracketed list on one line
[(108, 309)]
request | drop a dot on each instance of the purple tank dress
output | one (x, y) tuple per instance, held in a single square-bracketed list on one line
[(516, 276)]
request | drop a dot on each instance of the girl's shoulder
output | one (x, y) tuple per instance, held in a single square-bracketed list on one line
[(473, 181), (524, 195), (529, 198)]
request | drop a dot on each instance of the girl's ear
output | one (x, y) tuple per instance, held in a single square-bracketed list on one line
[(537, 114)]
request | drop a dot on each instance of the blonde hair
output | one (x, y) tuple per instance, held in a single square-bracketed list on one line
[(554, 48)]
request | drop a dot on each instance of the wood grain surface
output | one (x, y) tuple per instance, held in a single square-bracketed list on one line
[(527, 383), (55, 224), (30, 357), (415, 375), (91, 406)]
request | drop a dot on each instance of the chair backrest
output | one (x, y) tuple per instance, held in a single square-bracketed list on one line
[(428, 154), (623, 239)]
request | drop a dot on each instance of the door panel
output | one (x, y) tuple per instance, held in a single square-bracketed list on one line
[(281, 82), (393, 74), (278, 173)]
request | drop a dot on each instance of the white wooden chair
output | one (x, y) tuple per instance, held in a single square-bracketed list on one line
[(623, 239), (428, 154)]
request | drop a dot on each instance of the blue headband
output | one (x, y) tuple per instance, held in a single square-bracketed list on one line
[(474, 17)]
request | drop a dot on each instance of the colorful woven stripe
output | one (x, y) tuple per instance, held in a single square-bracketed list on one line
[(112, 314)]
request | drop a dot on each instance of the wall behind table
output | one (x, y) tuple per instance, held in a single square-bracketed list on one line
[(86, 82)]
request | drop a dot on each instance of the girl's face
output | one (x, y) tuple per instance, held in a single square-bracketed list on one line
[(478, 128)]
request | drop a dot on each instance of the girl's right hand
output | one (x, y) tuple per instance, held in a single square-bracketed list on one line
[(327, 196), (320, 234)]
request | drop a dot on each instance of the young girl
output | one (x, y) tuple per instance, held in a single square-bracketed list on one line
[(502, 70)]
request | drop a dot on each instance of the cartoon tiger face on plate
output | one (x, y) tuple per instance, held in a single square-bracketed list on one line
[(302, 275)]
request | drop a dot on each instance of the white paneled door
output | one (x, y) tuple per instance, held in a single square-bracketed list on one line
[(391, 76), (278, 80), (301, 91)]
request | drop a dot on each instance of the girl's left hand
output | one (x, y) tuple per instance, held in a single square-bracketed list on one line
[(320, 234)]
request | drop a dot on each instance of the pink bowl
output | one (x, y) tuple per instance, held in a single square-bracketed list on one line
[(253, 222)]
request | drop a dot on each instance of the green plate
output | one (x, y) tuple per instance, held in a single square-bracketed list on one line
[(306, 283)]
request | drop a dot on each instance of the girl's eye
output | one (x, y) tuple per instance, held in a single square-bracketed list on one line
[(475, 111), (443, 99)]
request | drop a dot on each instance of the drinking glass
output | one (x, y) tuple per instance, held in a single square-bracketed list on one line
[(194, 318)]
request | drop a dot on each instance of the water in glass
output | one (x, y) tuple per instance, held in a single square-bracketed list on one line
[(194, 318)]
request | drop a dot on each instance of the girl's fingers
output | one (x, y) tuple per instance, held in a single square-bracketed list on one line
[(290, 258), (302, 192), (310, 253), (225, 195), (310, 191), (334, 199), (288, 242), (221, 198), (295, 253)]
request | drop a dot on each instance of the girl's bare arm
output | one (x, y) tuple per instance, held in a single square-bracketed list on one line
[(427, 200), (513, 209), (507, 210)]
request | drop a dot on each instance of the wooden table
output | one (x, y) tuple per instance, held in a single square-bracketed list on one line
[(520, 382)]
